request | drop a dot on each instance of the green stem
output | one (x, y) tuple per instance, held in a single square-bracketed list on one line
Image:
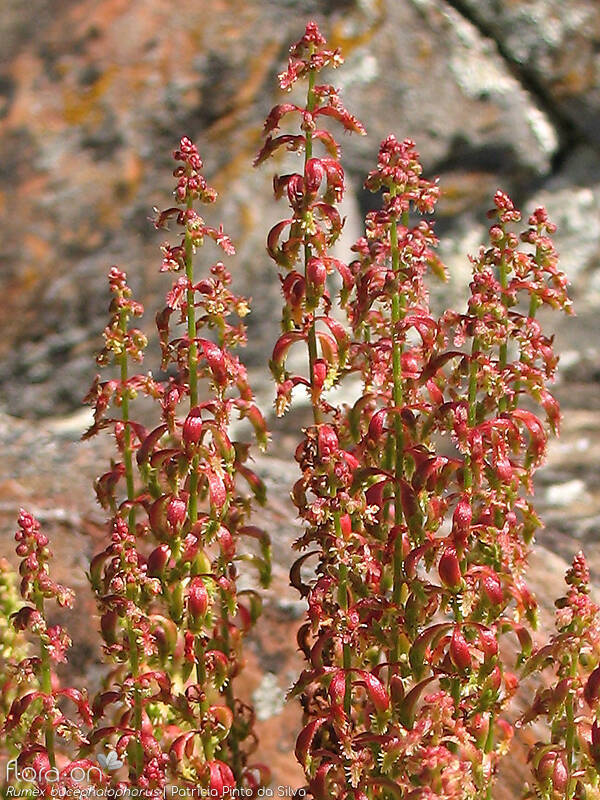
[(533, 307), (502, 405), (46, 684), (191, 319), (312, 332), (471, 407), (343, 600), (129, 479), (201, 677), (570, 737), (488, 747), (398, 307), (236, 764)]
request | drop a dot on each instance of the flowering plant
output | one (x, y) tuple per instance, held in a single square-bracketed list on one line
[(414, 495)]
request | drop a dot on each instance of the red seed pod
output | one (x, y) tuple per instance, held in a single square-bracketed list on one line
[(376, 690), (449, 568), (222, 780), (479, 728), (346, 525), (26, 617), (108, 626), (319, 373), (316, 273), (461, 520), (176, 512), (511, 683), (460, 652), (337, 688), (397, 691), (552, 768), (591, 690), (328, 441), (295, 189), (192, 427), (157, 560), (488, 643), (492, 587), (314, 173), (215, 358), (494, 680), (197, 599)]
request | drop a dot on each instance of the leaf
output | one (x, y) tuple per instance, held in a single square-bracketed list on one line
[(295, 574)]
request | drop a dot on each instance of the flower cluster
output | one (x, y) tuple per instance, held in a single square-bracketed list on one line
[(36, 717), (166, 583), (300, 244), (415, 497), (567, 765)]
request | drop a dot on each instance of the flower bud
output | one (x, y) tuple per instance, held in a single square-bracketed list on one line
[(460, 652), (552, 769), (197, 599), (461, 520), (176, 512), (328, 441), (492, 587), (449, 568), (192, 427), (157, 560)]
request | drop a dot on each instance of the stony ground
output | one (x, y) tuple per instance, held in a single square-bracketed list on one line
[(495, 94)]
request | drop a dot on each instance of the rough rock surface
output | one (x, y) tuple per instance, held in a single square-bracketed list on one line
[(554, 47)]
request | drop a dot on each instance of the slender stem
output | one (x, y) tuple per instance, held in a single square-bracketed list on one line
[(129, 479), (570, 737), (207, 739), (398, 305), (46, 684), (533, 307), (487, 749), (471, 408), (312, 332), (502, 405), (201, 676), (191, 318), (343, 600), (236, 764)]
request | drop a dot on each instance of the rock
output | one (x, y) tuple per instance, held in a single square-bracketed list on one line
[(427, 73), (563, 494), (268, 697), (556, 53)]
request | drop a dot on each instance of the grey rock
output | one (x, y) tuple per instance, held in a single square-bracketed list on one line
[(554, 46)]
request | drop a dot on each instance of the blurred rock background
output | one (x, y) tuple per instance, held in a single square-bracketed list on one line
[(94, 95)]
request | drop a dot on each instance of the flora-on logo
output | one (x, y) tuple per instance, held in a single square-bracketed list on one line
[(110, 761)]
